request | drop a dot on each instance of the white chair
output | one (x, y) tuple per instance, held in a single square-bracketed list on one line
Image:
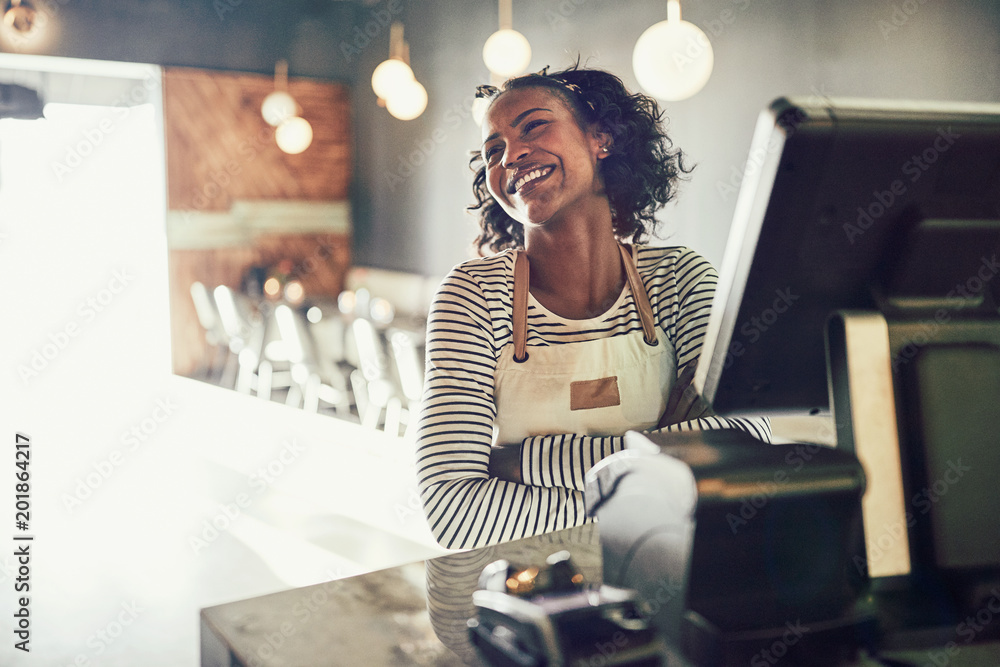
[(245, 329), (388, 380), (314, 377), (332, 340), (408, 360), (373, 380), (223, 363)]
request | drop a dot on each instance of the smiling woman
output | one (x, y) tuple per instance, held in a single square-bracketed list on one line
[(541, 356)]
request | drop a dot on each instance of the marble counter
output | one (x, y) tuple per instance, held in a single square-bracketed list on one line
[(409, 615), (416, 614)]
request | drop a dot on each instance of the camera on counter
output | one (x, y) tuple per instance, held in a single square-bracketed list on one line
[(548, 616)]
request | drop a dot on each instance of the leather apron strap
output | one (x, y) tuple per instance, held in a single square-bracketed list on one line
[(639, 294), (520, 306)]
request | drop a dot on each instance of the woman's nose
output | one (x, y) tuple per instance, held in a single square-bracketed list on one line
[(515, 152)]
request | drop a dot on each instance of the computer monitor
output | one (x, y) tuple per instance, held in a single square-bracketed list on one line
[(862, 265), (830, 190)]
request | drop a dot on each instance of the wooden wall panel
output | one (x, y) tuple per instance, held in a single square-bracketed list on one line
[(219, 151)]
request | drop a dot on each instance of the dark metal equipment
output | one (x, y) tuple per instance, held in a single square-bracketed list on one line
[(548, 616), (741, 550)]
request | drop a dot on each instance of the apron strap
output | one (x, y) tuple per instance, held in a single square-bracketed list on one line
[(520, 305), (640, 295)]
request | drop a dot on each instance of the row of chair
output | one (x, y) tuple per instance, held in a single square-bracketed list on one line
[(322, 357)]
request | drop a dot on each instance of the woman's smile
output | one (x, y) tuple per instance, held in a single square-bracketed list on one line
[(525, 180)]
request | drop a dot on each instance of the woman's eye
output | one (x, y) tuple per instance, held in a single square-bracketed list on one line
[(530, 125), (490, 152)]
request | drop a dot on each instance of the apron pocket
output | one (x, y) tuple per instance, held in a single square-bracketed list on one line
[(589, 394)]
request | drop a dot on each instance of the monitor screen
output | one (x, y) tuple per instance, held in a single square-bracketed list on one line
[(846, 205)]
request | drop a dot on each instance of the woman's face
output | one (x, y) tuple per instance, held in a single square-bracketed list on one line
[(539, 162)]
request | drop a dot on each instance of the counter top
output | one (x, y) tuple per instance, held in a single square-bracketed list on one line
[(414, 614)]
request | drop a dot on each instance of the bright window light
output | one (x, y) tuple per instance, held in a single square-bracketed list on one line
[(83, 239)]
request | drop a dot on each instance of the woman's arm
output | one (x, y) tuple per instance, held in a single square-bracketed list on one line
[(562, 461), (465, 506)]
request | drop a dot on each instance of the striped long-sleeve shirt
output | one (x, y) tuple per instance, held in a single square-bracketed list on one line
[(468, 325)]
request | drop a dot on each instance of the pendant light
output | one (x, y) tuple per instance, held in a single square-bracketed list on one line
[(21, 17), (28, 26), (393, 80), (408, 100), (391, 73), (673, 59), (279, 105), (292, 133), (507, 52)]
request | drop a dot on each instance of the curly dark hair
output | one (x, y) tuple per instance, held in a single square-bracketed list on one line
[(640, 175)]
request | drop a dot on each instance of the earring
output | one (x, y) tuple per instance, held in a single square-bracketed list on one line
[(604, 149)]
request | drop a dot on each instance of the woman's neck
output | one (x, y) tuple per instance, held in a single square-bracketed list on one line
[(576, 272)]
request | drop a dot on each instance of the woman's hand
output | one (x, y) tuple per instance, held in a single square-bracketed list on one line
[(684, 402), (505, 462)]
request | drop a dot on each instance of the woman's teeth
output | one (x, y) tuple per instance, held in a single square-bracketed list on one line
[(530, 176)]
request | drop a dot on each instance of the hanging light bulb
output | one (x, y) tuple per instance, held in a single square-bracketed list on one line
[(507, 52), (393, 80), (279, 106), (28, 26), (673, 59), (389, 75), (394, 72), (408, 101), (21, 17), (294, 135)]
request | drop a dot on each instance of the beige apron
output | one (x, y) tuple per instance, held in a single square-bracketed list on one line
[(599, 387)]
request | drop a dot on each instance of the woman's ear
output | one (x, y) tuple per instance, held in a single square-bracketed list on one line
[(603, 142)]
